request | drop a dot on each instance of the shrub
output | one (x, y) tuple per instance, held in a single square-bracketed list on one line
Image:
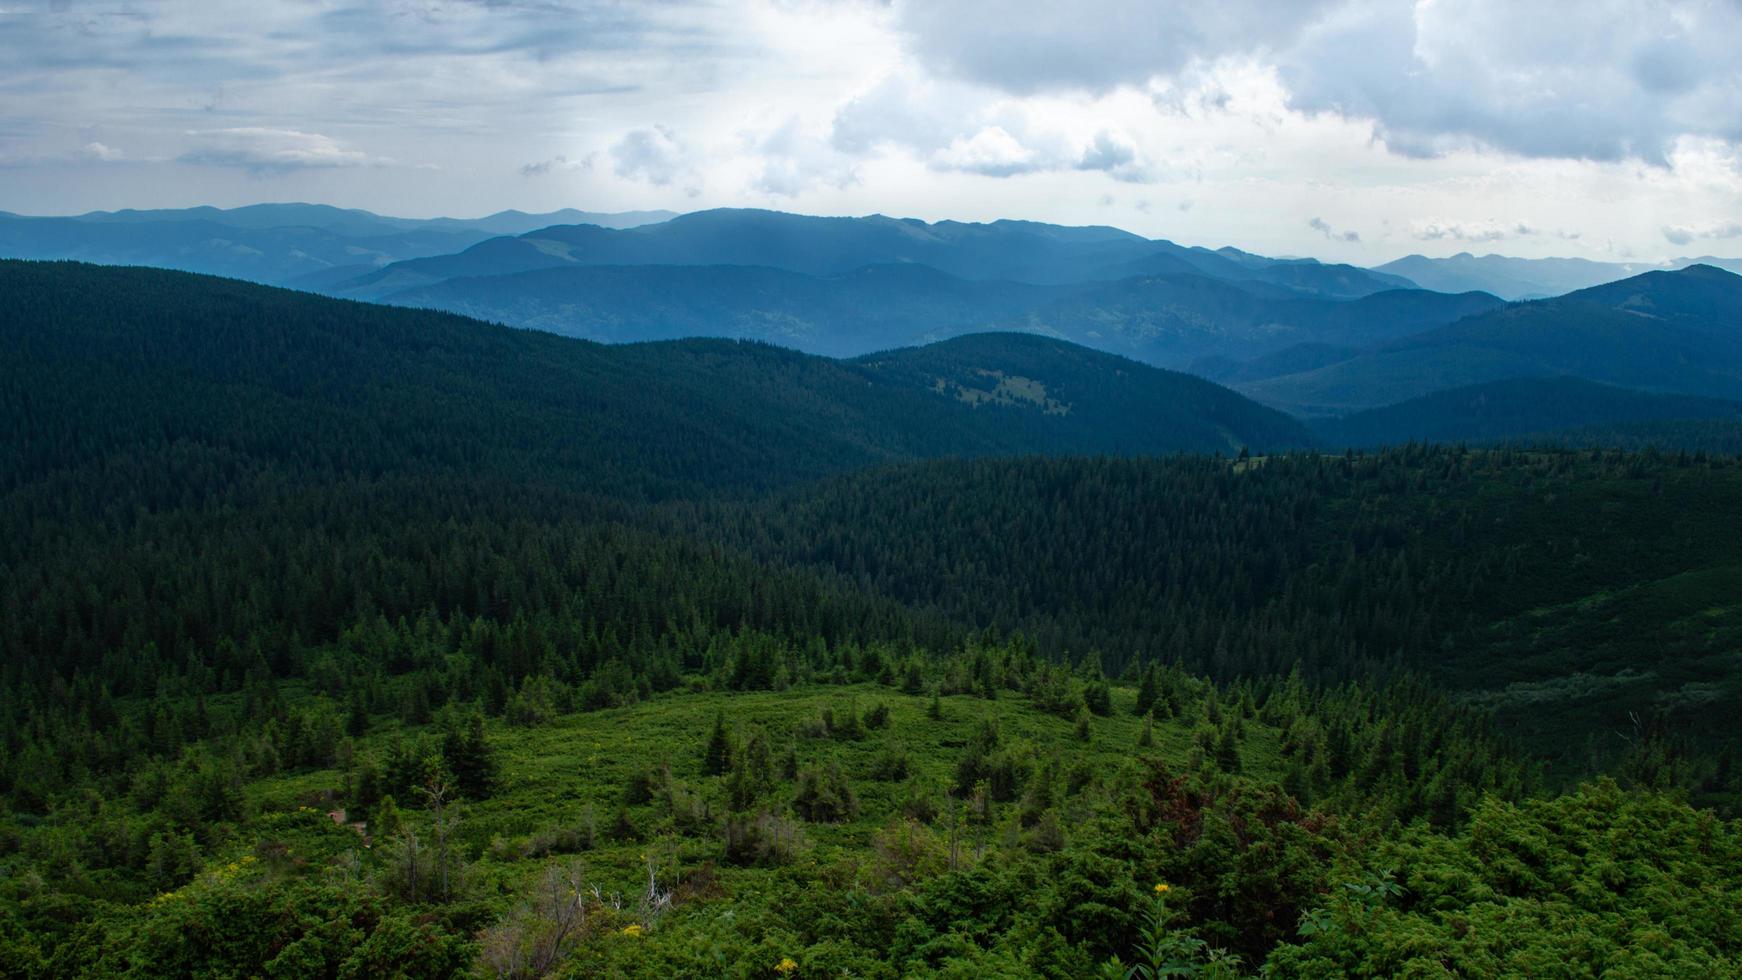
[(762, 840), (825, 796), (892, 765)]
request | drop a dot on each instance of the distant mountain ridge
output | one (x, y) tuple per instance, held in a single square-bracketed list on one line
[(1316, 340), (281, 244), (1020, 251), (1172, 321), (1523, 279), (1674, 333)]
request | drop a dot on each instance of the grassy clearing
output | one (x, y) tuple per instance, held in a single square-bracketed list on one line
[(574, 769)]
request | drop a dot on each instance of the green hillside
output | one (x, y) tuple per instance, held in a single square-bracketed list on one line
[(342, 640), (158, 359)]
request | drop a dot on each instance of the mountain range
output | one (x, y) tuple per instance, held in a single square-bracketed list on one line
[(1318, 341), (1022, 251), (1668, 332), (306, 245), (153, 351), (1521, 279)]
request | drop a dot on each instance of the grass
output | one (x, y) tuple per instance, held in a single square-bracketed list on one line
[(554, 773)]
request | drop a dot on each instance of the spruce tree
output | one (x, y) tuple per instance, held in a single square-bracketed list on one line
[(1148, 689), (717, 757), (467, 754)]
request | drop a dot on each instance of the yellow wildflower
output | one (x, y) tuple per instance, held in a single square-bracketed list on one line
[(785, 966), (1161, 888), (632, 930)]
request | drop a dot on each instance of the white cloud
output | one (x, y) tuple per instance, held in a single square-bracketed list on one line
[(1028, 46), (795, 157), (1438, 229), (990, 152), (1687, 236), (102, 153), (655, 155), (263, 150), (1579, 79), (1586, 79)]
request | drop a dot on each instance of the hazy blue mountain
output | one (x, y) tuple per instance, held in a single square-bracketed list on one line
[(1671, 332), (1728, 265), (1171, 321), (344, 221), (868, 309), (1021, 251), (357, 222), (1178, 320), (270, 255), (1289, 360), (1507, 277), (1516, 279), (1518, 407), (520, 222), (306, 245)]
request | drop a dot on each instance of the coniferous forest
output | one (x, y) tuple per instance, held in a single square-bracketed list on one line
[(340, 640)]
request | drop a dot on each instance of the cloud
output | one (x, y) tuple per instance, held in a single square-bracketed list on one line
[(1597, 80), (1117, 155), (1687, 236), (1435, 229), (556, 164), (653, 155), (956, 128), (1028, 46), (795, 157), (260, 150), (990, 152), (1583, 79), (1324, 228), (101, 153)]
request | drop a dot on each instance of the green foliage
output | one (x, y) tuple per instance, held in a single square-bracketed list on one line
[(1619, 883), (264, 595)]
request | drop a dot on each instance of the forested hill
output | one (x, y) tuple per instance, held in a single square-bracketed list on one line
[(106, 359), (1668, 332), (340, 640)]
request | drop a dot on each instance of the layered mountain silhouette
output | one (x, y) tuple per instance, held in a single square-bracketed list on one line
[(176, 358), (1022, 251), (1521, 279), (1666, 332), (1387, 360), (308, 245), (1173, 320)]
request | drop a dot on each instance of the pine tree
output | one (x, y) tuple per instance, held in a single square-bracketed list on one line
[(467, 754), (717, 757), (1228, 750), (1148, 689)]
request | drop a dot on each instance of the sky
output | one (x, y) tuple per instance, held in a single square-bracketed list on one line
[(1351, 130)]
